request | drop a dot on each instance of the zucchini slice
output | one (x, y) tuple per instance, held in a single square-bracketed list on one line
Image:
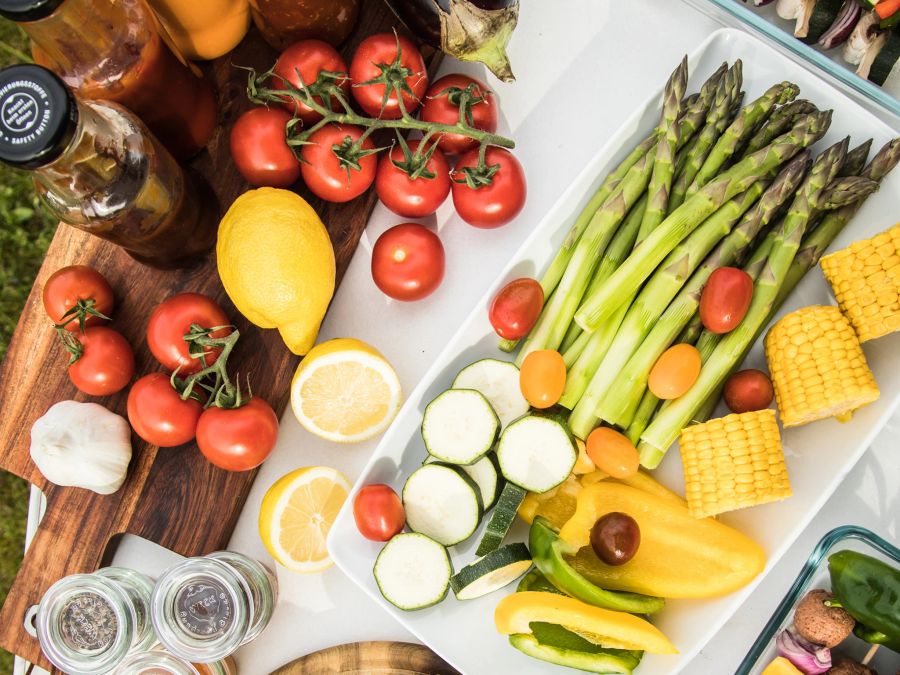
[(442, 502), (486, 474), (498, 381), (886, 59), (821, 19), (459, 426), (536, 452), (502, 519), (413, 571), (492, 572)]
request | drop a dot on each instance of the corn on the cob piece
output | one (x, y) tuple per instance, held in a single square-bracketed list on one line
[(865, 278), (733, 462), (818, 367)]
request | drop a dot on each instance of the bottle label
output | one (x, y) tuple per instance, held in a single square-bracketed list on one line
[(204, 609)]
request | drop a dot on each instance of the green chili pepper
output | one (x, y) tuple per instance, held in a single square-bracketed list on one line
[(547, 551), (870, 592)]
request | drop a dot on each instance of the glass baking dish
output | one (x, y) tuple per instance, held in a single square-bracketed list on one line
[(764, 22), (814, 574)]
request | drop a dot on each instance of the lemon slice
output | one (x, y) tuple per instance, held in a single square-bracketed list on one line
[(345, 391), (296, 514)]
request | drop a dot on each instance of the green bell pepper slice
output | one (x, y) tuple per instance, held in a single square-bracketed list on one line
[(556, 644), (547, 551), (870, 592)]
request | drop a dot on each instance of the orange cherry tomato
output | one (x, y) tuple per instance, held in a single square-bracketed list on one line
[(675, 371), (542, 378), (612, 452)]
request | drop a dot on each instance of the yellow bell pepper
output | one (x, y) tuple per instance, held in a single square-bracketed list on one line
[(679, 556), (604, 627), (583, 463)]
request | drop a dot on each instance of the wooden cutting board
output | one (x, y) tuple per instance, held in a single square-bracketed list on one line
[(173, 497), (370, 658)]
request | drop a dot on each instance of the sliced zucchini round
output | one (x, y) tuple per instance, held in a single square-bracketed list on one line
[(459, 426), (486, 474), (502, 519), (536, 452), (498, 381), (492, 572), (442, 502), (413, 571)]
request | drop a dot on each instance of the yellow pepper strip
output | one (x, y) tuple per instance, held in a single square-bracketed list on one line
[(583, 463), (679, 556), (604, 627), (556, 505), (644, 482)]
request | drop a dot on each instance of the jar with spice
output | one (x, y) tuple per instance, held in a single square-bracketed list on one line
[(284, 22), (89, 623), (97, 167), (159, 662), (112, 50), (203, 609)]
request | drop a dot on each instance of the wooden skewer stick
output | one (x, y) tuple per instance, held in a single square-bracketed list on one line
[(870, 655)]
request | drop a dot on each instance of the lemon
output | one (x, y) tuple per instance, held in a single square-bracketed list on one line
[(345, 391), (277, 264), (296, 514)]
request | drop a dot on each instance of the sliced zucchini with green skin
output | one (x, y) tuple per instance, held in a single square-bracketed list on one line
[(492, 572), (536, 452), (498, 381), (502, 519), (486, 474), (886, 59), (554, 644), (413, 571), (442, 502), (459, 426), (823, 15)]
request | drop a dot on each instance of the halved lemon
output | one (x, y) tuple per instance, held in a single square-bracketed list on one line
[(345, 391), (296, 514)]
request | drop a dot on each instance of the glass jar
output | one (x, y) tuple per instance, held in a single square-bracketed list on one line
[(203, 609), (97, 167), (158, 662), (284, 22), (112, 50), (88, 623)]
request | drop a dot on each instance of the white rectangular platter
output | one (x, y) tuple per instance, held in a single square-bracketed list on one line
[(818, 455)]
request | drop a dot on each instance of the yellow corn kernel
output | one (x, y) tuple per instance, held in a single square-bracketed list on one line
[(865, 278), (733, 462), (818, 367)]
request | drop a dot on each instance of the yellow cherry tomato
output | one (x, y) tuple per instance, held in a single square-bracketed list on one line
[(612, 452), (542, 378), (675, 371)]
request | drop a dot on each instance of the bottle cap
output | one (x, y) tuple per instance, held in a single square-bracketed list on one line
[(38, 116), (28, 10)]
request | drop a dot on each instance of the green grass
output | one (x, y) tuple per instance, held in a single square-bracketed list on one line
[(25, 233)]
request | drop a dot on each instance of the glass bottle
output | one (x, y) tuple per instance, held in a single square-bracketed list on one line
[(88, 623), (204, 30), (112, 50), (97, 167), (203, 609), (284, 22), (159, 662)]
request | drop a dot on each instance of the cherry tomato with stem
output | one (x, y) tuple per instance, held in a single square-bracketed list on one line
[(410, 186), (77, 291), (542, 378), (612, 452), (172, 320), (725, 299), (378, 512), (516, 308), (103, 361), (238, 439), (442, 106), (260, 151), (490, 198), (336, 167), (748, 390), (159, 415), (385, 69), (674, 372), (301, 64), (408, 262)]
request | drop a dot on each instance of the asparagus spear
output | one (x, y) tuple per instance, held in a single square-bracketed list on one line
[(639, 265), (781, 120), (855, 163), (645, 412)]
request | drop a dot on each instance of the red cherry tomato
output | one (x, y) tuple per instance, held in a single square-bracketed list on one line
[(378, 512), (612, 452), (491, 205), (442, 103), (542, 378), (301, 64), (516, 308), (70, 285), (238, 439), (372, 57), (159, 415), (408, 262), (322, 170), (106, 364), (172, 320), (675, 371), (725, 299), (412, 197), (748, 390), (260, 151)]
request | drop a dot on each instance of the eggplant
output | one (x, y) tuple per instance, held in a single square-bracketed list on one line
[(843, 25), (469, 30), (799, 10), (862, 37)]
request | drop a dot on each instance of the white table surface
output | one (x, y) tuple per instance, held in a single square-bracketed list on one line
[(581, 66)]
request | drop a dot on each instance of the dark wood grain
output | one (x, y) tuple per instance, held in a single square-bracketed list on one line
[(172, 496), (370, 658)]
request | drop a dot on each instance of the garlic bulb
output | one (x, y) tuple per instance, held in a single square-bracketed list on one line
[(82, 445)]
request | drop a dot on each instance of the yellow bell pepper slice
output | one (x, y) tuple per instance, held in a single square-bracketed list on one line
[(679, 556), (583, 463), (604, 627)]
